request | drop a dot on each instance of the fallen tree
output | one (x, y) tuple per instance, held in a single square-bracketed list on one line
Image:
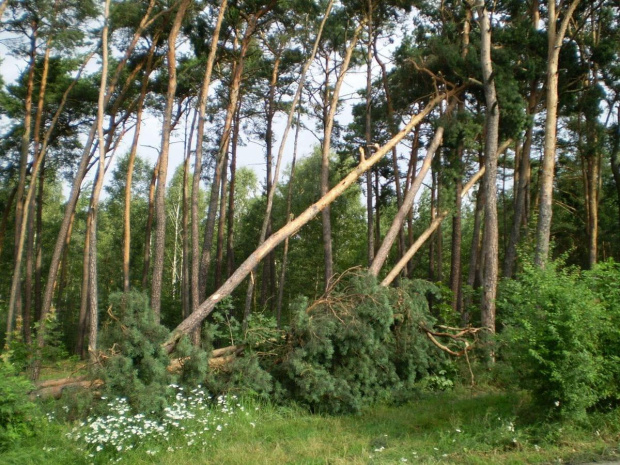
[(194, 320)]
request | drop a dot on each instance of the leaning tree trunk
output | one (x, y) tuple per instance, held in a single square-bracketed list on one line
[(194, 320), (407, 205), (408, 255)]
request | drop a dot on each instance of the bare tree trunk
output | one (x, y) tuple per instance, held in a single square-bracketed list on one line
[(490, 245), (425, 235), (130, 167), (289, 199), (221, 225), (554, 44), (230, 236), (146, 265), (160, 194), (20, 224), (370, 235), (190, 323), (522, 188), (325, 152), (204, 95)]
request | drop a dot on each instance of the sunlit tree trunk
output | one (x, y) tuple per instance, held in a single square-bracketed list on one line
[(160, 194), (555, 37)]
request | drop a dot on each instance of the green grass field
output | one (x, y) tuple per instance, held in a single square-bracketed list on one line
[(466, 427)]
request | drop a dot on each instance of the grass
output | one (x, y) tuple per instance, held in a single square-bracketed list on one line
[(463, 427)]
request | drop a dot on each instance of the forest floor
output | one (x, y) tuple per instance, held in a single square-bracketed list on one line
[(458, 427)]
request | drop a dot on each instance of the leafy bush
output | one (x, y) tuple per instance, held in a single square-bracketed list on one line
[(135, 364), (562, 336), (18, 415), (356, 345)]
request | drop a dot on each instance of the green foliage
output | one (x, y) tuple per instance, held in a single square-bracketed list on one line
[(356, 345), (562, 336), (135, 362), (18, 415)]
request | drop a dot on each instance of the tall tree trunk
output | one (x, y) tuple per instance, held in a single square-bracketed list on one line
[(235, 86), (230, 236), (185, 284), (370, 234), (490, 245), (520, 218), (194, 320), (20, 224), (160, 194), (555, 37), (130, 167), (221, 226), (289, 200), (455, 259), (325, 152), (204, 95), (80, 344), (268, 279), (393, 130), (146, 262)]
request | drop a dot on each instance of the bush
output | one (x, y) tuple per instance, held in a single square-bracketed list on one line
[(357, 345), (561, 336), (18, 415), (135, 363)]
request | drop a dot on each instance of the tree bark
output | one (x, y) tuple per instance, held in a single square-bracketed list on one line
[(325, 152), (555, 37), (204, 95), (490, 246), (278, 237), (289, 199), (20, 224), (130, 167), (146, 262), (160, 194)]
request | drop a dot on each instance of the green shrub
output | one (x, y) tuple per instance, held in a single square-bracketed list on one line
[(135, 363), (356, 346), (561, 336), (18, 415)]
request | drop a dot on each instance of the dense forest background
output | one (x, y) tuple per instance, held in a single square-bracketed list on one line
[(523, 95)]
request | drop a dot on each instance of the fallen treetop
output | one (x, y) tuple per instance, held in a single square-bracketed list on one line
[(194, 320)]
